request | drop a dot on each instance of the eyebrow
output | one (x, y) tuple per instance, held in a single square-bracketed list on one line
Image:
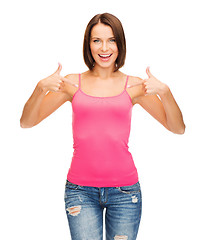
[(99, 38)]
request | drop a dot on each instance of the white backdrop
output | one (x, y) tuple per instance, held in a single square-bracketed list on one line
[(165, 35)]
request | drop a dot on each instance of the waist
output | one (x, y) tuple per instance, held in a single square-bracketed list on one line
[(103, 168), (113, 180)]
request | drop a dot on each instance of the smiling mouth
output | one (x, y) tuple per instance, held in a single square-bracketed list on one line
[(105, 56)]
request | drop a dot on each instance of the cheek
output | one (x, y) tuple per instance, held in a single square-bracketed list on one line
[(93, 48), (115, 49)]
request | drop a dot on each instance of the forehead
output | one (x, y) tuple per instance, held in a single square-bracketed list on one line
[(102, 30)]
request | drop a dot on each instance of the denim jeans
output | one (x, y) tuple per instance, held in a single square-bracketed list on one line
[(84, 207)]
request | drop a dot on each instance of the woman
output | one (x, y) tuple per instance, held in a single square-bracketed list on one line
[(102, 172)]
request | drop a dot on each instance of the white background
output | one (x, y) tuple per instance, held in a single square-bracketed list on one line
[(165, 35)]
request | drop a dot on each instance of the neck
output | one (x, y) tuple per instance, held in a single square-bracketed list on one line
[(103, 73)]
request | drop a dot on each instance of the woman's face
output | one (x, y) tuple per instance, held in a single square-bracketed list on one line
[(103, 46)]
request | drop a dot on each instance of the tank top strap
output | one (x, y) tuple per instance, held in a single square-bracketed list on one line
[(126, 81)]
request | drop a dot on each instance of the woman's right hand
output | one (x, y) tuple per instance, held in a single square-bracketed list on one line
[(54, 82)]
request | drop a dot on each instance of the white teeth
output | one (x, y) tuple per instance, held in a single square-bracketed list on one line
[(104, 55)]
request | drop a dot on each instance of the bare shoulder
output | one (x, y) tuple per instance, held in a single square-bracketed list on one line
[(72, 78), (71, 82), (135, 88), (134, 80)]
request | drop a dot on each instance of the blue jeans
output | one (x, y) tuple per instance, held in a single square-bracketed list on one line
[(84, 207)]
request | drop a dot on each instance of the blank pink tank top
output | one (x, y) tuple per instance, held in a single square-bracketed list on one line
[(101, 128)]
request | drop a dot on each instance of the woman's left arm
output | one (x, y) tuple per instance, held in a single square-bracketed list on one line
[(173, 116)]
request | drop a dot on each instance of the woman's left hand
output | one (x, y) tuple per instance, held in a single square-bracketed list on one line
[(153, 85)]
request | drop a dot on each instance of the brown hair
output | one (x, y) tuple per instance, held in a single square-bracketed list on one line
[(118, 32)]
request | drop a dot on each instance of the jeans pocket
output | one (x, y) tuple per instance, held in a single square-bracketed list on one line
[(70, 185), (135, 188)]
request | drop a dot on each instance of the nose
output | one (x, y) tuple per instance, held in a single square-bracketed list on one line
[(104, 46)]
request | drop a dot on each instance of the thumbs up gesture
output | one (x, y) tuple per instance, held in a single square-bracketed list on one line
[(153, 85), (55, 82)]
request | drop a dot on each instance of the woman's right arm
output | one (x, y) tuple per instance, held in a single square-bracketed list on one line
[(40, 105), (31, 109)]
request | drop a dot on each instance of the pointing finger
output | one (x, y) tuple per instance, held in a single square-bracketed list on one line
[(136, 84), (68, 81)]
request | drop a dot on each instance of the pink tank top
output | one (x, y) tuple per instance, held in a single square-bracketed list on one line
[(101, 128)]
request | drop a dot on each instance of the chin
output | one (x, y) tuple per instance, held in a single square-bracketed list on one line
[(106, 65)]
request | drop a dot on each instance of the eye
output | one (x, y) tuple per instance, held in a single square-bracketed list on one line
[(96, 40), (112, 40)]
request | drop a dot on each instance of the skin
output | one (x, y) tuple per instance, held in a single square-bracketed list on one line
[(102, 81)]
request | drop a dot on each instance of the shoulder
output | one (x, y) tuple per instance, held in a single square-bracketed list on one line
[(73, 78), (133, 80), (135, 88)]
